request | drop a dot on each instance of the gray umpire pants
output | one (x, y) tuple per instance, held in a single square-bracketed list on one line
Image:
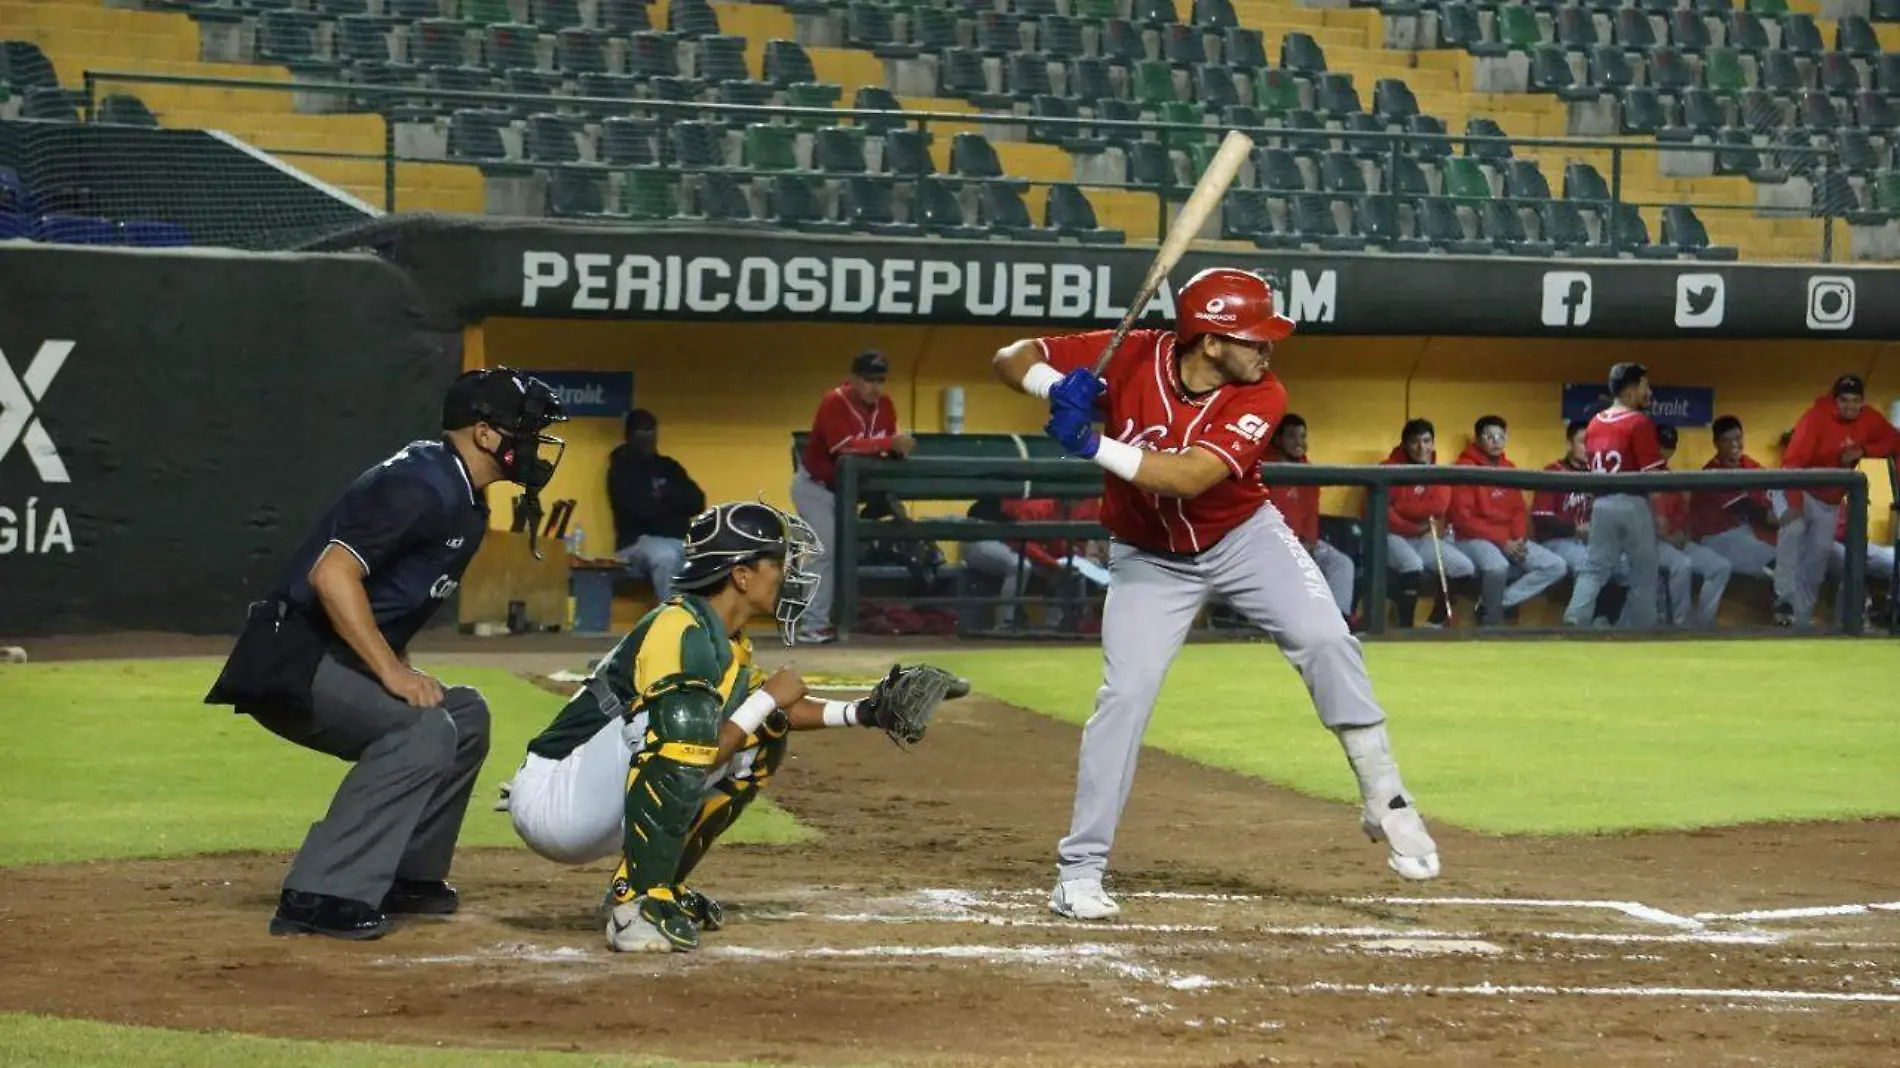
[(1621, 525), (818, 507), (1262, 570), (399, 810)]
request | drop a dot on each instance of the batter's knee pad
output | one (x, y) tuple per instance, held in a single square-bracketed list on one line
[(666, 784)]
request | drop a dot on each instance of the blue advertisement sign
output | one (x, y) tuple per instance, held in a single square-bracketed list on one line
[(591, 394), (1675, 405)]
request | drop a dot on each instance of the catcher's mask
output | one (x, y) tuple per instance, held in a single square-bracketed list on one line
[(520, 409), (728, 535)]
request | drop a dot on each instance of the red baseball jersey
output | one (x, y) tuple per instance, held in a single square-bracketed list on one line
[(1568, 508), (1298, 505), (842, 425), (1712, 512), (1147, 406), (1621, 441)]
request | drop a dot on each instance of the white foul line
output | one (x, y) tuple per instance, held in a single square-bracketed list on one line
[(1811, 912), (1495, 990), (1633, 909)]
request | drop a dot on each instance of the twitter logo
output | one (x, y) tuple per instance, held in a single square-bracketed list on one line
[(1699, 300)]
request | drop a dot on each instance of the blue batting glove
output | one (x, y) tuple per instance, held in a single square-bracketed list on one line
[(1075, 429), (1079, 388)]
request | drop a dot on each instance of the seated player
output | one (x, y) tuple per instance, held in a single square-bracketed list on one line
[(1493, 524), (1056, 562), (1299, 505), (1416, 529), (675, 733), (1682, 560), (1879, 566), (1737, 525)]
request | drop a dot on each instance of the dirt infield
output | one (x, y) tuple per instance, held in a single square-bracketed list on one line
[(1259, 928)]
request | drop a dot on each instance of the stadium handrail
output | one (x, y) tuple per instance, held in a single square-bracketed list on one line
[(942, 479), (922, 120)]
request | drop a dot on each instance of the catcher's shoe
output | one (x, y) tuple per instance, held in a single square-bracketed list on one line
[(1083, 899), (1413, 853), (501, 803), (650, 924), (706, 913)]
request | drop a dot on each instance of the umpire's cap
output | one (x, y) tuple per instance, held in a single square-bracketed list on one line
[(503, 398)]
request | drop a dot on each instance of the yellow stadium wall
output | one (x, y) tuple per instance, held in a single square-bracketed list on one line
[(728, 395)]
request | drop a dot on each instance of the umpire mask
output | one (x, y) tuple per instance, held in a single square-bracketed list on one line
[(520, 409)]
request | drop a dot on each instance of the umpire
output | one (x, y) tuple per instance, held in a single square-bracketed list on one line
[(322, 661)]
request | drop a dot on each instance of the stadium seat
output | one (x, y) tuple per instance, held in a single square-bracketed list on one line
[(1816, 111), (480, 12), (1301, 54), (1243, 48), (1462, 180), (1746, 33), (1669, 71), (869, 26), (1640, 111), (1722, 71), (787, 64), (1241, 117), (867, 205), (1701, 113), (1885, 10), (1610, 69), (287, 36), (1068, 213), (1550, 73), (1188, 124), (1059, 35), (1634, 31), (997, 34), (1121, 43), (1002, 211), (1334, 95), (1378, 221), (1576, 29), (338, 8), (722, 198), (1216, 15), (1152, 12), (1873, 111), (1393, 102), (876, 98), (610, 86), (795, 203), (907, 152), (651, 54), (475, 133), (1316, 224), (1150, 165), (960, 73), (577, 193), (1182, 46), (1026, 76), (1304, 133), (1740, 156), (1439, 225), (698, 144), (1089, 80), (1583, 185), (1076, 139), (124, 109), (151, 233), (510, 45), (553, 16), (720, 58), (362, 39), (1760, 112), (553, 138), (1496, 145), (1505, 228), (1802, 37), (1459, 28), (1518, 29), (1405, 177), (416, 10), (1152, 83), (1525, 182), (1564, 227), (1855, 153), (1839, 74), (1034, 9), (23, 66), (436, 42), (1339, 173), (1277, 171), (1275, 92), (1780, 73), (1244, 216), (769, 147), (1429, 140), (1688, 32), (580, 51), (48, 105), (691, 18), (621, 17), (933, 28), (629, 142), (940, 212), (650, 195), (76, 230)]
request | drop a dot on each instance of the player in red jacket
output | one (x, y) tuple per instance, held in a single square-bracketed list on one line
[(1682, 561), (1838, 431), (1014, 563), (1299, 506), (1492, 527), (1415, 518), (854, 417), (1187, 415), (1620, 440), (1735, 525)]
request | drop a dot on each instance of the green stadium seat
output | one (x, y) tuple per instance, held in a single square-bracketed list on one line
[(1517, 27), (1069, 214), (1722, 71), (650, 195), (485, 12), (1886, 191), (1096, 10), (1275, 92), (1182, 113), (1463, 180), (1153, 83), (769, 147)]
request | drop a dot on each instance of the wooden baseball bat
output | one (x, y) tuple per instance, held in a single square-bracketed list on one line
[(1201, 204)]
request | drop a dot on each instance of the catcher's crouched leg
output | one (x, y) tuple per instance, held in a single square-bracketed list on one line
[(723, 806), (663, 796)]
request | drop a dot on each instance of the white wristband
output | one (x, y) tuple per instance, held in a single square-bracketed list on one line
[(1118, 458), (749, 715), (841, 713), (1040, 379)]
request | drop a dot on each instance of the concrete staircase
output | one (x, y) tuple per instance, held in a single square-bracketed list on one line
[(81, 35)]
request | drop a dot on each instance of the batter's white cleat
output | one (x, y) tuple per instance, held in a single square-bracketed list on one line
[(1413, 853), (1083, 899)]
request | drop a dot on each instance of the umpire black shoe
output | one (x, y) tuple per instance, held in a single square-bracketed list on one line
[(299, 913), (421, 897)]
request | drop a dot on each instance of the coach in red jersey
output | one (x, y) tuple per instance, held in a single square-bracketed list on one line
[(1737, 525), (854, 418), (1837, 431), (1188, 415), (1621, 439)]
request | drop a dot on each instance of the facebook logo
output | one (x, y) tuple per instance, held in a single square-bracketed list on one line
[(1566, 298)]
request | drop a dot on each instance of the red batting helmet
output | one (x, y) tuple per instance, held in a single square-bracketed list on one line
[(1227, 302)]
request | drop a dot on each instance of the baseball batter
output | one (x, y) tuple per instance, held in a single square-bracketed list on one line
[(1188, 415)]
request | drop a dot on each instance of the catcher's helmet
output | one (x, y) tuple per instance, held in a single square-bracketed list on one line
[(1228, 303), (741, 532)]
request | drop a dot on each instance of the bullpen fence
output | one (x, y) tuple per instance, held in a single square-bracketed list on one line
[(868, 487)]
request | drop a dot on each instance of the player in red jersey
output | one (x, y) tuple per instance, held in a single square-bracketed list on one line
[(1188, 414), (1838, 431), (1621, 439)]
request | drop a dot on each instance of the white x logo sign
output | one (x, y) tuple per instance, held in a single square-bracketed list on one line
[(17, 396)]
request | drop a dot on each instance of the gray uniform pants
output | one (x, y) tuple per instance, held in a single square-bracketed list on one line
[(1260, 569), (1413, 556), (1680, 568), (1506, 583), (818, 507), (1621, 525), (1747, 554), (399, 810), (1801, 554)]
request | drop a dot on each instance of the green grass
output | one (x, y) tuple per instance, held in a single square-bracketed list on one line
[(41, 1042), (109, 759), (1545, 738)]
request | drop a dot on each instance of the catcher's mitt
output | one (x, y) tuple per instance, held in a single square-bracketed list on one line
[(902, 702)]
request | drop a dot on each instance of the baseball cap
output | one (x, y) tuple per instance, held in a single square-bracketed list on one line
[(1850, 384), (494, 395), (870, 364)]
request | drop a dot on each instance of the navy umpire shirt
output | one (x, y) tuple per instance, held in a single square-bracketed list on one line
[(414, 522)]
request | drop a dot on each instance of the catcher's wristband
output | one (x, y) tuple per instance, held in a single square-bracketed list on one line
[(841, 714), (757, 707)]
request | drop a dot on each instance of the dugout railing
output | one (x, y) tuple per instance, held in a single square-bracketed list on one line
[(1388, 148), (941, 480)]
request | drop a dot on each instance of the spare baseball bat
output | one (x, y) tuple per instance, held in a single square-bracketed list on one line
[(1201, 204)]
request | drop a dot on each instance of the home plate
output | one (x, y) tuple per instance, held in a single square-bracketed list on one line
[(1424, 946)]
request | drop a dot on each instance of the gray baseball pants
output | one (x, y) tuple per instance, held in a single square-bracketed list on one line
[(1263, 572)]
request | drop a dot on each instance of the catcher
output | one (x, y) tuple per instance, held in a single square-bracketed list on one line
[(676, 731)]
